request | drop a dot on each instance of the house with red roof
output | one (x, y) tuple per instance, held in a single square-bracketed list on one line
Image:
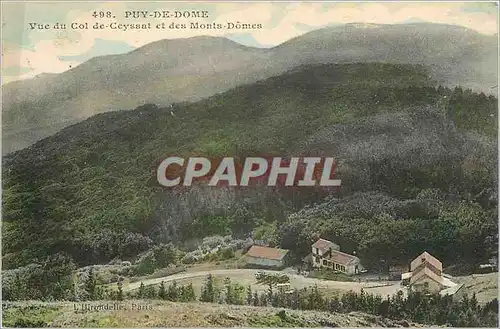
[(260, 256), (326, 254)]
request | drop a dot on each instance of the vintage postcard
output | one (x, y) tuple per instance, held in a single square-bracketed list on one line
[(249, 164)]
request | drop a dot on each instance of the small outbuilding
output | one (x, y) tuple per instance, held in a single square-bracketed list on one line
[(267, 257), (456, 292), (427, 275)]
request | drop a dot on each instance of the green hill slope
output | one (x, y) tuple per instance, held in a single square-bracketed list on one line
[(91, 188)]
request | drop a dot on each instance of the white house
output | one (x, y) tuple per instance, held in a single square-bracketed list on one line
[(322, 246), (326, 254), (427, 276)]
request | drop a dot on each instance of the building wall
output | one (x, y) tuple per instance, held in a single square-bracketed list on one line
[(430, 267), (426, 283), (349, 269), (316, 251), (320, 262), (316, 261), (265, 262)]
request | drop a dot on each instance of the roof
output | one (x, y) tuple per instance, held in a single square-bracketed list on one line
[(447, 282), (267, 252), (323, 244), (430, 274), (406, 275), (428, 258), (342, 258), (425, 272), (452, 290)]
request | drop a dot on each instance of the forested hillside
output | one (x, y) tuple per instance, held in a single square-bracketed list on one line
[(91, 189)]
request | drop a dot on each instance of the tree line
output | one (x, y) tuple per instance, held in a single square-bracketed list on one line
[(430, 309), (424, 308), (386, 231)]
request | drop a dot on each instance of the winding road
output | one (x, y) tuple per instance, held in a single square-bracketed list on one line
[(247, 277)]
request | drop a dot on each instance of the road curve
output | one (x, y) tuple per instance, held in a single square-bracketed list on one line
[(188, 275), (297, 281)]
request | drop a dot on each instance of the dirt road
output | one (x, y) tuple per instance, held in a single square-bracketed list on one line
[(247, 277)]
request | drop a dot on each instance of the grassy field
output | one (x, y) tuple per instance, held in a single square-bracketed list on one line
[(246, 277), (485, 286), (167, 314)]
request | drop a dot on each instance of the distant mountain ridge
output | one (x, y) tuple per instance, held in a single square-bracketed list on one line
[(191, 69)]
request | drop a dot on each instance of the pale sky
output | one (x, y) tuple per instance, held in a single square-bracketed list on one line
[(27, 53)]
